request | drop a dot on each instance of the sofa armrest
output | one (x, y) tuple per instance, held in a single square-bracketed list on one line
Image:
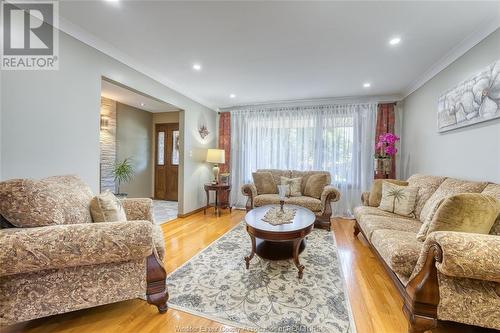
[(249, 190), (24, 250), (329, 194), (365, 198), (468, 255), (138, 209), (463, 255)]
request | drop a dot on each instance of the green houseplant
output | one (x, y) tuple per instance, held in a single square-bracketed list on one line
[(123, 172)]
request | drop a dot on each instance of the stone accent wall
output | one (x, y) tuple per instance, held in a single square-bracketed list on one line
[(108, 144)]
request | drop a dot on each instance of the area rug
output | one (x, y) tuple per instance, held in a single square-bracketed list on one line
[(268, 297), (164, 211)]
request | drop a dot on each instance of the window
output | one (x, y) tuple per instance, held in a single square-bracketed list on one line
[(175, 148), (160, 148)]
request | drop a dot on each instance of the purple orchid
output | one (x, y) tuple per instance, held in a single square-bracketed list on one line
[(391, 150), (386, 144)]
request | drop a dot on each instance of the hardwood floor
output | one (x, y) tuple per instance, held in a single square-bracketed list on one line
[(376, 305)]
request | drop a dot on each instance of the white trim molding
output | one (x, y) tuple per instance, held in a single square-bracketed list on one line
[(459, 50), (317, 101)]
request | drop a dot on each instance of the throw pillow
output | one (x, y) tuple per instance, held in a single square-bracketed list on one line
[(55, 200), (398, 199), (293, 184), (376, 190), (448, 187), (105, 207), (315, 185), (264, 183), (465, 212)]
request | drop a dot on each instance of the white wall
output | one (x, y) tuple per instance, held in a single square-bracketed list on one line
[(50, 119), (133, 140), (470, 152)]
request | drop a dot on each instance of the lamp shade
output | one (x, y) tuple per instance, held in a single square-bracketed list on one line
[(216, 156)]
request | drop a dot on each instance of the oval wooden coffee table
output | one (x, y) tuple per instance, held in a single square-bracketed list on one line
[(279, 242)]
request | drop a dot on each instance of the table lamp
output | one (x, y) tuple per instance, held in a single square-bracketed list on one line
[(216, 156)]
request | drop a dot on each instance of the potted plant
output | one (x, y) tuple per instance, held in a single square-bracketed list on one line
[(123, 172), (384, 152)]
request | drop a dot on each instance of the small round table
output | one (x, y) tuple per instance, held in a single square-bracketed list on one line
[(218, 188), (279, 242)]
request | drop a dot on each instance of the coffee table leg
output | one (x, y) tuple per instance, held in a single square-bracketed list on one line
[(296, 247), (250, 256)]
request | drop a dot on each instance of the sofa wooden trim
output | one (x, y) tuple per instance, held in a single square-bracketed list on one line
[(421, 296), (156, 276)]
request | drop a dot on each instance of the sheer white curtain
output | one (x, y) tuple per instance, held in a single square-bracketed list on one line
[(335, 138)]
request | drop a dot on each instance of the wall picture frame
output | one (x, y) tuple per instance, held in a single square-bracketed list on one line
[(472, 101)]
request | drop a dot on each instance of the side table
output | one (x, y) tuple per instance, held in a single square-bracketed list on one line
[(218, 188)]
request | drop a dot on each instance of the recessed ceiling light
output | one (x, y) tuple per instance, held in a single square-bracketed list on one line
[(112, 0), (367, 85), (395, 41), (197, 67), (143, 104), (232, 96)]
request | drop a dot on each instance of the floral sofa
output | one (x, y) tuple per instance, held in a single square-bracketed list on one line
[(450, 276), (321, 207), (54, 259)]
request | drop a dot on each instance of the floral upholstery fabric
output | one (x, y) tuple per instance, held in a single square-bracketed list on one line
[(466, 212), (365, 198), (367, 210), (448, 187), (306, 174), (329, 190), (469, 255), (312, 204), (49, 201), (399, 249), (469, 301), (370, 223), (277, 174), (106, 207), (427, 185), (26, 250), (469, 286), (293, 186), (59, 268), (466, 294), (158, 241), (315, 205), (494, 191), (249, 190), (138, 209), (39, 294)]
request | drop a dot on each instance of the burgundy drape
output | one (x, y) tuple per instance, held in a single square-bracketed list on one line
[(225, 143), (225, 139), (385, 124)]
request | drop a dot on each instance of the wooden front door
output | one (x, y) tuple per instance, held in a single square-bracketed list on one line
[(166, 161)]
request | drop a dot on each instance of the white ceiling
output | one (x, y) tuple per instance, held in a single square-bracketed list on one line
[(127, 96), (268, 51)]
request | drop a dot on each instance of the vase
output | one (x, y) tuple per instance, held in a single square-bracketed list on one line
[(383, 165)]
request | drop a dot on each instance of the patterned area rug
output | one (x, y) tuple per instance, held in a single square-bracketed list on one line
[(164, 211), (268, 297)]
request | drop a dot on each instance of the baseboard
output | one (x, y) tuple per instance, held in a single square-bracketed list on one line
[(191, 212)]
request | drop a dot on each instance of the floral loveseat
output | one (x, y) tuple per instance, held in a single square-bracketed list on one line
[(451, 276), (54, 259), (321, 206)]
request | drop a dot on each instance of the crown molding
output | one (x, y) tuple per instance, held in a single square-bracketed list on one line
[(455, 53), (95, 42), (316, 101)]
